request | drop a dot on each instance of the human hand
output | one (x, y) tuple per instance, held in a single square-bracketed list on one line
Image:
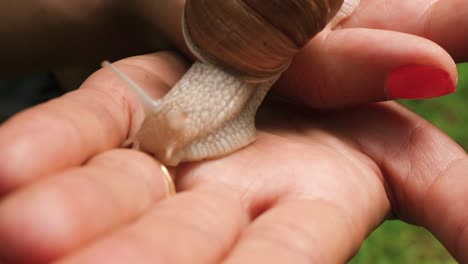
[(93, 145), (379, 37), (310, 189)]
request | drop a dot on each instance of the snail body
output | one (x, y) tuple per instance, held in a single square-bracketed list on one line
[(243, 47)]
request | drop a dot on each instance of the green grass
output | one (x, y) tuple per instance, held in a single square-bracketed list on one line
[(395, 241)]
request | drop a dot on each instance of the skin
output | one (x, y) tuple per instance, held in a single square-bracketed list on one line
[(312, 186), (209, 113)]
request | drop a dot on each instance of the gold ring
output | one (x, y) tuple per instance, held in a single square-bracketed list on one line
[(170, 186)]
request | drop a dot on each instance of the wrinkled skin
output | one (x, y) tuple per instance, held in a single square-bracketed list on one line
[(310, 189)]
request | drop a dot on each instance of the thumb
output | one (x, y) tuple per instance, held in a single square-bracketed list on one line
[(354, 66)]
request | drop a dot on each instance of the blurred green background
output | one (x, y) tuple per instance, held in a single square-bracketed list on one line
[(395, 241)]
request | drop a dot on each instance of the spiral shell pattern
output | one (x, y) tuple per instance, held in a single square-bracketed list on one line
[(271, 32)]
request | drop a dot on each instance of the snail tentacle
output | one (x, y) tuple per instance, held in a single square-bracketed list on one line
[(149, 103)]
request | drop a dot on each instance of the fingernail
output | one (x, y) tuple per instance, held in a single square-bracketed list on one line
[(418, 82), (462, 69)]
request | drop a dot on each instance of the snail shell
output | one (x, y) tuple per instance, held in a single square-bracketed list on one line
[(255, 39), (244, 46)]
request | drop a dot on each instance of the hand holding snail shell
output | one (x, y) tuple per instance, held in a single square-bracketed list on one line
[(243, 47)]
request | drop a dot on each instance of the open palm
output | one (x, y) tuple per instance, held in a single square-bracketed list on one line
[(309, 189)]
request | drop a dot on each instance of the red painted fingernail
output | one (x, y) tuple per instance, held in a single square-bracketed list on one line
[(418, 82)]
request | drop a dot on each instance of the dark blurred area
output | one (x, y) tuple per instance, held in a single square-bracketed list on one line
[(21, 93)]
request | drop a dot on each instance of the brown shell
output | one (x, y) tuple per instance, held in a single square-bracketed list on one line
[(254, 38)]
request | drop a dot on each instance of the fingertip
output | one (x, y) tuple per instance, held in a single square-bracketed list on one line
[(9, 170), (351, 66), (21, 241), (20, 159), (418, 82)]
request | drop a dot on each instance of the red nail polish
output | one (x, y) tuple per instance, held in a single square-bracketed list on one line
[(418, 82)]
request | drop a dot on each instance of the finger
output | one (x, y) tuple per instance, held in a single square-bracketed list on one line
[(411, 152), (98, 116), (424, 169), (447, 25), (444, 21), (57, 215), (307, 231), (353, 66), (446, 199), (197, 226)]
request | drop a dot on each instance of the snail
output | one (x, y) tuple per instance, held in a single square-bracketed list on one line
[(243, 46)]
